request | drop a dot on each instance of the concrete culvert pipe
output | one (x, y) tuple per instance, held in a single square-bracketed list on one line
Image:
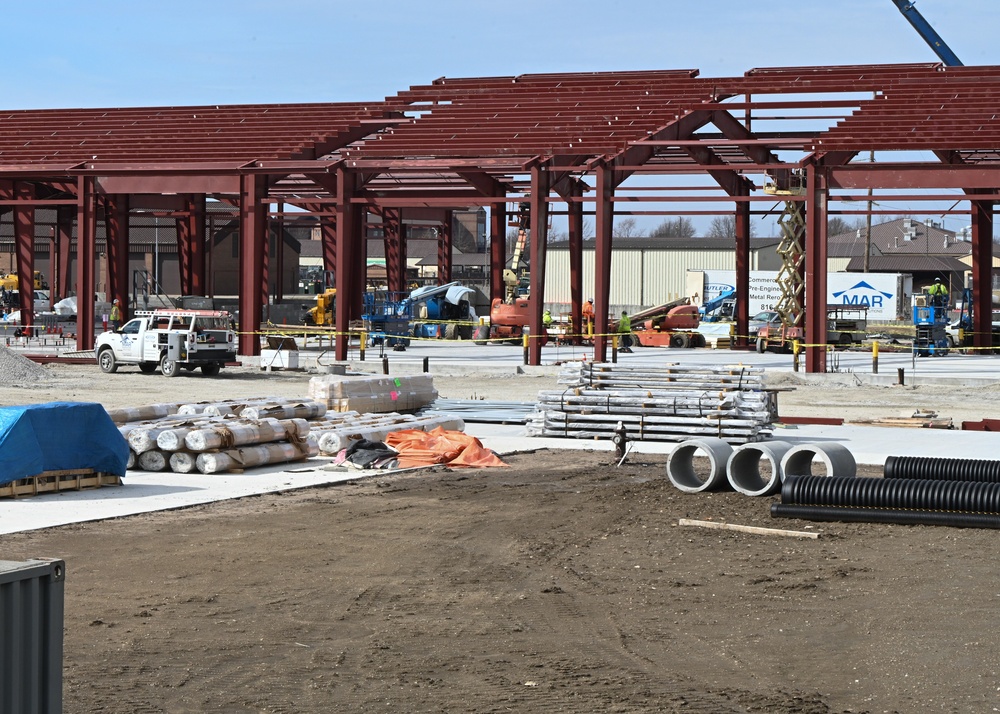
[(744, 467), (836, 458), (681, 467)]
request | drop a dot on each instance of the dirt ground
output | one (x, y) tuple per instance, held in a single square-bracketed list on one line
[(562, 583)]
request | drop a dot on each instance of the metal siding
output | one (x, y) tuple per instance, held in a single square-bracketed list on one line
[(31, 636), (643, 278)]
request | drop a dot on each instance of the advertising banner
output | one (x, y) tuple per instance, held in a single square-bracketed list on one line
[(886, 295)]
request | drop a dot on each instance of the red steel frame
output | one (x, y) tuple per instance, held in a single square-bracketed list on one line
[(570, 139)]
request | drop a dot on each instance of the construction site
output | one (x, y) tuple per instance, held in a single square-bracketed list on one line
[(766, 489)]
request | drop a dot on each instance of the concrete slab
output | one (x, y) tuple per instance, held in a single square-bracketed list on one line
[(145, 492)]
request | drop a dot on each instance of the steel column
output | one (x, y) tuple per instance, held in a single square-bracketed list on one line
[(444, 249), (278, 290), (328, 238), (253, 246), (498, 249), (539, 238), (267, 239), (982, 276), (24, 239), (61, 278), (394, 248), (86, 248), (604, 224), (816, 260), (349, 236), (575, 227), (191, 245), (117, 223), (742, 312)]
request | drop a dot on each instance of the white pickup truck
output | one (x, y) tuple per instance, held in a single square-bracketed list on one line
[(171, 340)]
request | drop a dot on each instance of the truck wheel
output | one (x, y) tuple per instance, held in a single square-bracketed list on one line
[(147, 367), (451, 331), (169, 367), (107, 362), (761, 345), (698, 340), (210, 370), (482, 335), (676, 340)]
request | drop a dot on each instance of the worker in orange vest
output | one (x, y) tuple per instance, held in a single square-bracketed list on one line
[(588, 317)]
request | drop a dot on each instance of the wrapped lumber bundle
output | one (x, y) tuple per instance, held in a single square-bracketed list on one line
[(368, 394), (152, 460), (331, 441), (227, 435), (144, 436), (124, 415), (668, 403), (234, 406), (248, 456), (302, 409)]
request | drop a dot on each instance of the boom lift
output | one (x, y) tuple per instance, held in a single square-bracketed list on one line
[(931, 37), (515, 277)]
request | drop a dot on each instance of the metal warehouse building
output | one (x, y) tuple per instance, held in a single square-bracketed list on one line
[(652, 271)]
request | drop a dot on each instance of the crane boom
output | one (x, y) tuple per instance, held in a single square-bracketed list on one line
[(930, 35)]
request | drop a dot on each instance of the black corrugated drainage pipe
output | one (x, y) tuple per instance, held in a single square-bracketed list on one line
[(885, 515), (916, 494), (933, 467)]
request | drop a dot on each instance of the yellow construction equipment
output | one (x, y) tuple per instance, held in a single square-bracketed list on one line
[(323, 314)]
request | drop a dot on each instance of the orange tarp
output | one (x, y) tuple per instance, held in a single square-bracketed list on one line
[(438, 446)]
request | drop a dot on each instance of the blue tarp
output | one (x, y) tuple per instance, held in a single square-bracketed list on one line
[(59, 436)]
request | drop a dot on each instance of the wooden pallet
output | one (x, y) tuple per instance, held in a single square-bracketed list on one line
[(55, 481)]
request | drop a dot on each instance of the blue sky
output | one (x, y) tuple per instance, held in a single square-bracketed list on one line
[(140, 53), (109, 53)]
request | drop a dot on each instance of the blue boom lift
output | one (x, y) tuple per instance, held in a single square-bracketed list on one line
[(931, 37)]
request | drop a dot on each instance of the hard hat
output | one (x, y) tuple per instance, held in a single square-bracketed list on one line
[(590, 300), (117, 301), (937, 280)]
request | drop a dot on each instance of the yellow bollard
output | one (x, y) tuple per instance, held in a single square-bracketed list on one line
[(875, 357), (614, 349), (524, 339), (361, 346), (796, 348)]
